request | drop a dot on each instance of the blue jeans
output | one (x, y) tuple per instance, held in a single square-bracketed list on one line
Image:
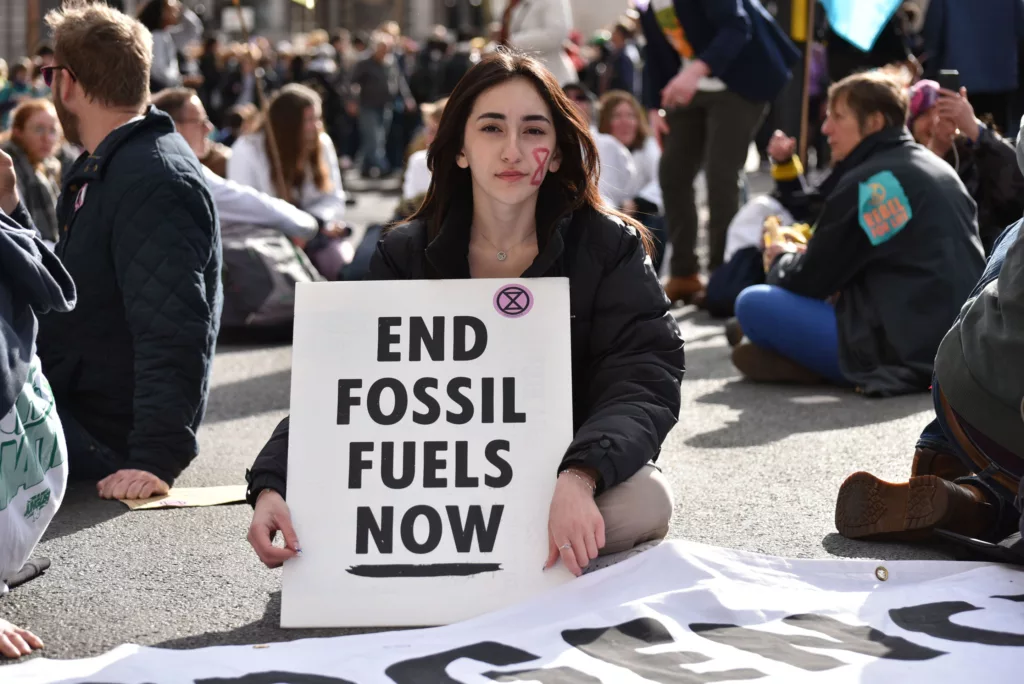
[(800, 328), (373, 134)]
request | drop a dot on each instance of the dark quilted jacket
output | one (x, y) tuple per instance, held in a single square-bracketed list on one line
[(627, 353), (141, 239)]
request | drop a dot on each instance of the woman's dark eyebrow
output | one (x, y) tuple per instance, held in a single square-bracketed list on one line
[(502, 117)]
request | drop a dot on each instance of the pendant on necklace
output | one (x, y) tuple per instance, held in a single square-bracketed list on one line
[(502, 256)]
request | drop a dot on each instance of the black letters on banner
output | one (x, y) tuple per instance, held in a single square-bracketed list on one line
[(551, 675), (357, 464), (508, 402), (433, 342), (782, 647), (460, 352), (432, 464), (433, 532), (618, 646), (386, 338), (431, 669), (464, 402), (933, 619), (463, 535), (387, 465), (462, 477), (345, 399), (373, 401), (504, 476), (276, 677), (419, 390), (366, 524)]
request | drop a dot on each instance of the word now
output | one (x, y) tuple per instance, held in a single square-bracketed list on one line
[(432, 340), (463, 529), (433, 464), (431, 407)]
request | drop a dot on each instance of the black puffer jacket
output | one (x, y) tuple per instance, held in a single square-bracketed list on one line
[(141, 239), (627, 353)]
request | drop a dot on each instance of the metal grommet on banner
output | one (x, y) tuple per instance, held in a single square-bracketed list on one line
[(881, 573), (261, 646)]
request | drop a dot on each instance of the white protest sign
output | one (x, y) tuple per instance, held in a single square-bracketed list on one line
[(680, 613), (428, 419)]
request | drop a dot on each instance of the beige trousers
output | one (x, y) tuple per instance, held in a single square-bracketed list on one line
[(635, 511)]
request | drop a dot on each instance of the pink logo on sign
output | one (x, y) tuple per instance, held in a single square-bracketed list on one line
[(80, 199), (513, 301)]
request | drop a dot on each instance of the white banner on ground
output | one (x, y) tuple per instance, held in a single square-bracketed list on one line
[(428, 420), (681, 612)]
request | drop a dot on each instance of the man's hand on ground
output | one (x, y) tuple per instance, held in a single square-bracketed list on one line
[(15, 641), (131, 484)]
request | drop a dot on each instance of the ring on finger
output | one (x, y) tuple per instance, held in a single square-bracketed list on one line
[(566, 545)]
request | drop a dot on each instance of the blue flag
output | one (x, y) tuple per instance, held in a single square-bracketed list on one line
[(859, 21)]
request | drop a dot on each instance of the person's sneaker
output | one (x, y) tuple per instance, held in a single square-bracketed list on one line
[(870, 508), (762, 365), (684, 289), (733, 331), (931, 462)]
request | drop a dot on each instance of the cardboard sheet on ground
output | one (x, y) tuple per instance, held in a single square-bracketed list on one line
[(188, 497), (682, 612)]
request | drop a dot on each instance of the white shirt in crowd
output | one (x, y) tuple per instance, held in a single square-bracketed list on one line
[(540, 29), (249, 165), (243, 205), (647, 184), (618, 171), (417, 175)]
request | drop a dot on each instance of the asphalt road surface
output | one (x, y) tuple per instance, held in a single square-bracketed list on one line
[(753, 467)]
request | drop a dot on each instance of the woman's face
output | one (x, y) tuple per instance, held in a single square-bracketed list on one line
[(624, 123), (172, 12), (842, 129), (923, 126), (509, 142), (40, 136)]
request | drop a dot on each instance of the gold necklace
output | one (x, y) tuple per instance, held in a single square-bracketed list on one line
[(503, 253)]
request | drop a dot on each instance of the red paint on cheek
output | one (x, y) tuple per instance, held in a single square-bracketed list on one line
[(540, 155)]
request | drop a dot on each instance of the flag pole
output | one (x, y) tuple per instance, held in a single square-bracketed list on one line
[(806, 91), (278, 172)]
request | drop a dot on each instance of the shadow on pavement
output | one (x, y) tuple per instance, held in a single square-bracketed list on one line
[(265, 630), (81, 509), (770, 413), (249, 397), (838, 545)]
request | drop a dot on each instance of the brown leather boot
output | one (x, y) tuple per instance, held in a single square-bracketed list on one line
[(762, 365), (684, 289), (870, 508), (931, 462)]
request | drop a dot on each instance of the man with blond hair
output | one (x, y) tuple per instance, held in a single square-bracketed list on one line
[(130, 365)]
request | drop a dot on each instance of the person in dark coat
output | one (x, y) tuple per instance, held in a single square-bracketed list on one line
[(526, 151), (130, 365), (896, 249)]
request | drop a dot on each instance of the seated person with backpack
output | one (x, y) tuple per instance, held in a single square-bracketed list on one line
[(893, 256)]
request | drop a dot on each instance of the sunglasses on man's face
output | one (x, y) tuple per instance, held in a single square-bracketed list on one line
[(49, 71)]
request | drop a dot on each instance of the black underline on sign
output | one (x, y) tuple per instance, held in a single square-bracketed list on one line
[(434, 570)]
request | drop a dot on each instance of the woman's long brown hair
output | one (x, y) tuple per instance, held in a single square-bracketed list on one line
[(285, 114), (572, 187)]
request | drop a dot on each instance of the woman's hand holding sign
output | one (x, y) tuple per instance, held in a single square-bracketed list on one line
[(575, 525), (271, 514)]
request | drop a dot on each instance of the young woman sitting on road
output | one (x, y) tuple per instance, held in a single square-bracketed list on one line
[(514, 194)]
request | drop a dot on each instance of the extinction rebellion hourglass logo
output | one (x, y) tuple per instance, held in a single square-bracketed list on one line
[(513, 301)]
